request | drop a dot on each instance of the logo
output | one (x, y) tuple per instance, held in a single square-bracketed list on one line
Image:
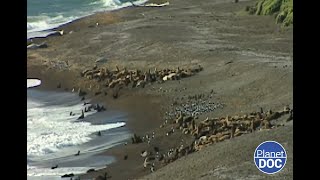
[(270, 157)]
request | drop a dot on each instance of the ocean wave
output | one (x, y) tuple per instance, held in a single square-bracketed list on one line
[(37, 26), (35, 171), (111, 3), (41, 23), (47, 21), (118, 4), (51, 128)]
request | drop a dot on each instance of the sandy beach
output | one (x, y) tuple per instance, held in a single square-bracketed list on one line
[(247, 65)]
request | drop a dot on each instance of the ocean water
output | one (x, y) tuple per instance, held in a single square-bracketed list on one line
[(43, 15), (53, 136)]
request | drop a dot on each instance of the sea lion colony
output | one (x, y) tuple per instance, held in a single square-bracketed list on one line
[(183, 117), (137, 78), (212, 130)]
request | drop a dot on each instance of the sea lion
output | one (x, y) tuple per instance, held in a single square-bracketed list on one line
[(113, 83), (84, 72), (202, 138), (179, 119), (290, 117), (185, 131), (187, 119), (196, 69), (102, 108), (144, 153), (152, 167), (165, 78), (82, 115), (91, 170), (57, 33), (136, 139), (232, 131), (266, 124), (54, 167), (286, 109), (115, 93), (146, 162), (95, 67), (156, 149), (78, 153), (172, 76), (222, 138), (141, 83), (272, 116), (252, 126), (85, 103), (186, 74), (67, 175), (213, 139), (206, 122)]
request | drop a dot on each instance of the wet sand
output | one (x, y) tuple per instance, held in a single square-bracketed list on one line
[(247, 62), (66, 159)]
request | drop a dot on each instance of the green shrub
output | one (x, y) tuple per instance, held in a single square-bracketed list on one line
[(282, 9), (270, 7), (259, 7)]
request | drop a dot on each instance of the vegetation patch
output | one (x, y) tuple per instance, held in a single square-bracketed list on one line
[(282, 9)]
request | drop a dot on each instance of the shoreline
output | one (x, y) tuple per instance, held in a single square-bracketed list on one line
[(134, 123), (242, 79), (89, 153), (60, 27)]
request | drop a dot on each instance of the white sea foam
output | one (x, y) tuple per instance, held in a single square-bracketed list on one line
[(37, 26), (51, 128), (33, 82), (116, 4), (36, 171), (40, 25)]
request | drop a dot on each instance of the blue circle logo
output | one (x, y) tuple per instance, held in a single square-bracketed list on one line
[(270, 157)]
